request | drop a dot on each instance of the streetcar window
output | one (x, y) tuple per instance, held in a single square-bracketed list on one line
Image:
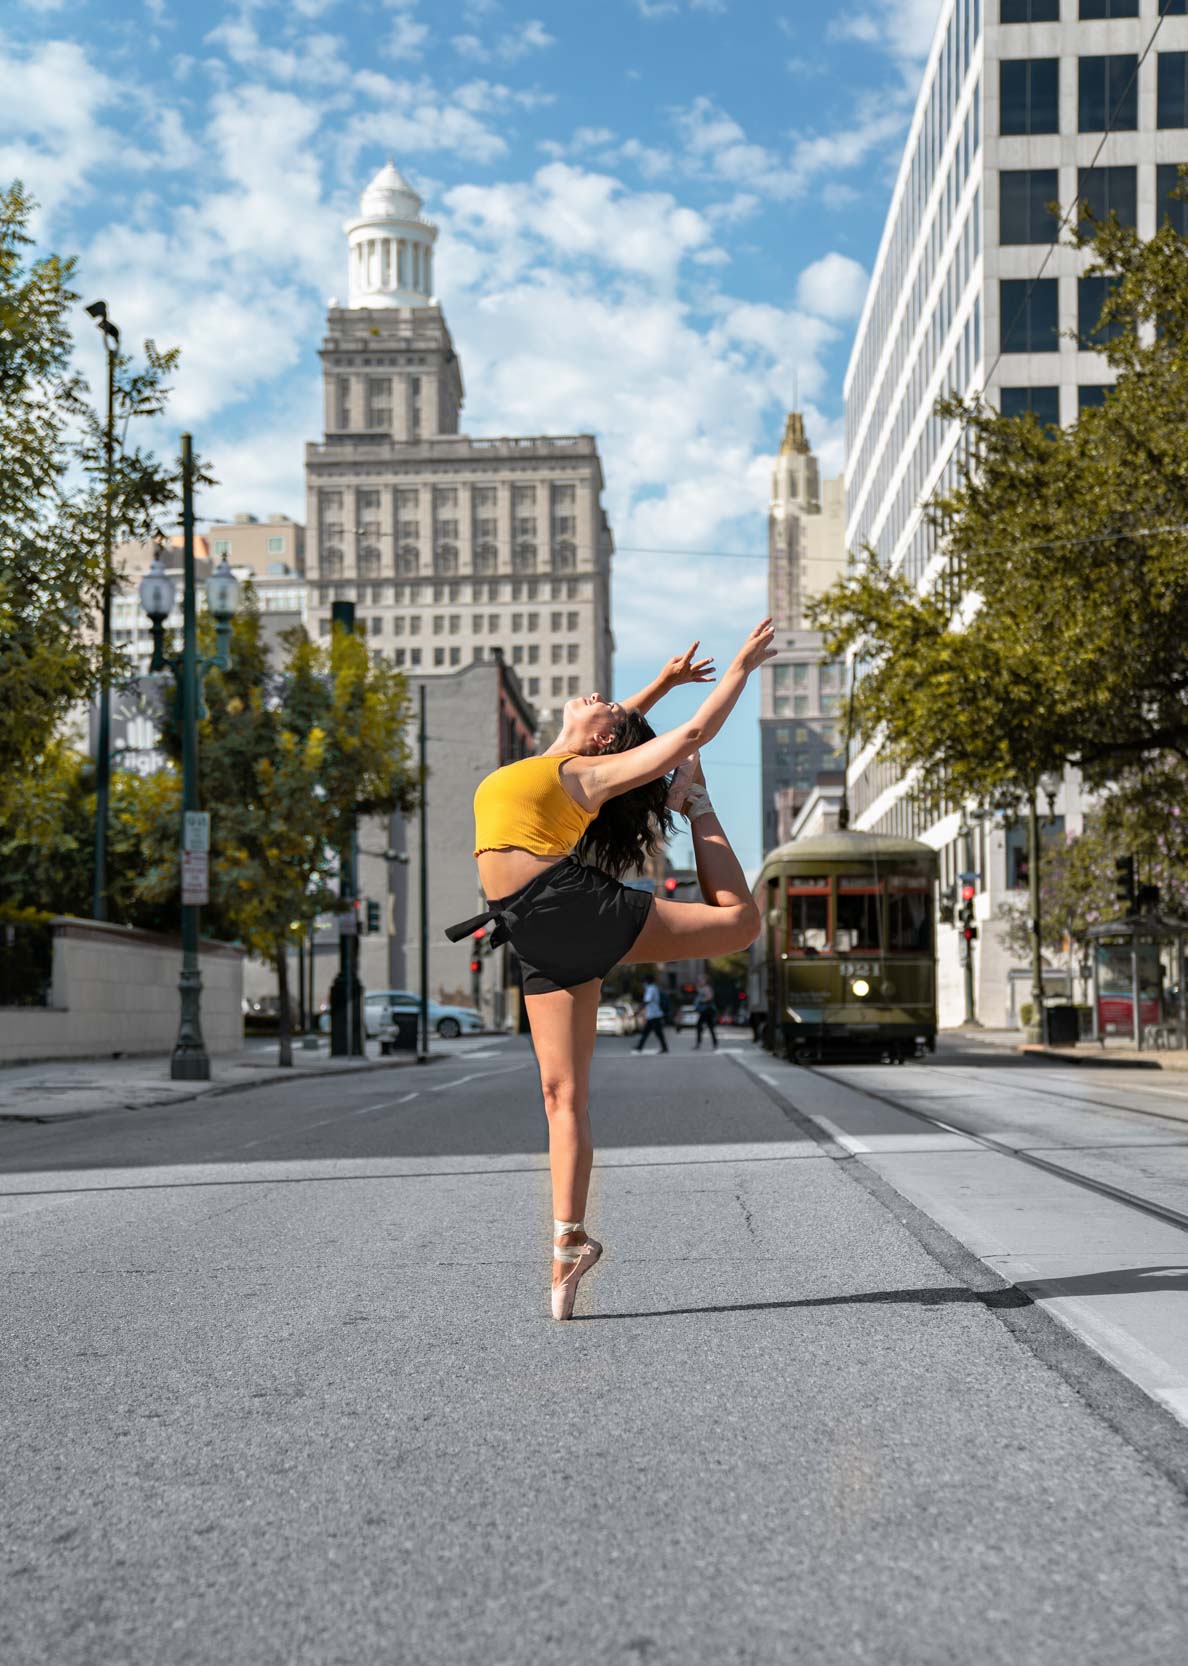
[(909, 914), (808, 915), (858, 908)]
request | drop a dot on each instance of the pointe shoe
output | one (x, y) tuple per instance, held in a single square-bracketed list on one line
[(580, 1257), (681, 782)]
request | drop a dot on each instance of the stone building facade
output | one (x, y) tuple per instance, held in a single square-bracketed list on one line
[(450, 546), (801, 700)]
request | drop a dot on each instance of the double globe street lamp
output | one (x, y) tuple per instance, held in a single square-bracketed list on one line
[(190, 1061)]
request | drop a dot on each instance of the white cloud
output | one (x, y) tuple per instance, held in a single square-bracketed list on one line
[(413, 117), (530, 36), (581, 216), (314, 60), (407, 37), (717, 148), (833, 287), (901, 28)]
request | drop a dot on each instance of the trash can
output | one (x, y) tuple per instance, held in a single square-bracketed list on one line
[(1062, 1026), (400, 1036)]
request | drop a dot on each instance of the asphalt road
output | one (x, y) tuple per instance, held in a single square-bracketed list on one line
[(280, 1387)]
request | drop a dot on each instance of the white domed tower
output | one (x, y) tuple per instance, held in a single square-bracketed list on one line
[(391, 245)]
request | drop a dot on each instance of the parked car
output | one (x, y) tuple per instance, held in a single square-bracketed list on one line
[(630, 1017), (447, 1021), (686, 1018), (610, 1019)]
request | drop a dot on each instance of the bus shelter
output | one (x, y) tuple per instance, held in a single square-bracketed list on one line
[(1137, 967)]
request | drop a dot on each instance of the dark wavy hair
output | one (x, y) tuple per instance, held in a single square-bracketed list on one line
[(634, 825)]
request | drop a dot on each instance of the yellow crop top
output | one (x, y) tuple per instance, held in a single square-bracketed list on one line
[(525, 805)]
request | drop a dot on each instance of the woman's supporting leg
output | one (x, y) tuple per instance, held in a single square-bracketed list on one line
[(563, 1034)]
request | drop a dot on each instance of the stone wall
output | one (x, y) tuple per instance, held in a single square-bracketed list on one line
[(115, 992)]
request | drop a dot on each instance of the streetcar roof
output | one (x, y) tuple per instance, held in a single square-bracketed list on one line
[(851, 847)]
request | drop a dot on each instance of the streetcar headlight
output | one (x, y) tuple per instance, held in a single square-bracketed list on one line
[(860, 987)]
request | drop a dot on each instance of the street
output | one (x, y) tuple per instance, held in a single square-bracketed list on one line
[(284, 1389)]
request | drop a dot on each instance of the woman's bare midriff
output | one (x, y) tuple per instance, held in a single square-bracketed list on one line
[(503, 871)]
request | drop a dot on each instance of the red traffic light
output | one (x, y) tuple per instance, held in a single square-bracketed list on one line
[(670, 884), (479, 934), (475, 965), (969, 933), (968, 893)]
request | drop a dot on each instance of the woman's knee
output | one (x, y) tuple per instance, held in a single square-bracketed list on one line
[(562, 1095)]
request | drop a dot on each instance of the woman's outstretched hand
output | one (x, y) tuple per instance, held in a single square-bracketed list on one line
[(758, 647), (683, 668)]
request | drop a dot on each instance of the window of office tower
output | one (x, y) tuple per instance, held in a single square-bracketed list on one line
[(1106, 191), (1029, 11), (1109, 8), (1029, 315), (1107, 93), (1024, 205), (367, 504), (1172, 101), (1168, 206), (379, 402), (1029, 95)]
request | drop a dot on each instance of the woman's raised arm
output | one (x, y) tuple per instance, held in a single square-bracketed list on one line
[(613, 773), (681, 668)]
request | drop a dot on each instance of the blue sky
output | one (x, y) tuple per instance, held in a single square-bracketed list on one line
[(656, 218)]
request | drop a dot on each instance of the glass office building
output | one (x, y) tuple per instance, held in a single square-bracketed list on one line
[(1023, 104)]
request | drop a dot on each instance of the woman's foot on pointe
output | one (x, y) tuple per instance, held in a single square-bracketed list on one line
[(574, 1253), (684, 775)]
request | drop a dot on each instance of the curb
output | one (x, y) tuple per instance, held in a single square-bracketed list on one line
[(1099, 1061), (220, 1090)]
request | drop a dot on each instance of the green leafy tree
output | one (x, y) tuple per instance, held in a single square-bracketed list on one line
[(54, 502), (287, 759)]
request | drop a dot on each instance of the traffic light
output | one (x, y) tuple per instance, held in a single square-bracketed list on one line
[(373, 915), (670, 884), (1124, 881), (476, 967), (968, 892), (948, 903)]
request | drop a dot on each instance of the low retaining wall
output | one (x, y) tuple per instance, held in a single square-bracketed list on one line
[(115, 992)]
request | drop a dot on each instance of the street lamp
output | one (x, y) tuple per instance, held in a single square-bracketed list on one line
[(111, 340), (190, 1061)]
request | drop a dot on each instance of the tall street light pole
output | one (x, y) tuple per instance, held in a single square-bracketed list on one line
[(422, 744), (111, 337), (190, 1061)]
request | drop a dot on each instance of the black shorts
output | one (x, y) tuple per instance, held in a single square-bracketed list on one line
[(568, 925)]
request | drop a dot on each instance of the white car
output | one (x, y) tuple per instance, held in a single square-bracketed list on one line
[(612, 1019), (447, 1021)]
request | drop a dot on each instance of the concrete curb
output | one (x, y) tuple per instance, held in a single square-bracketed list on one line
[(219, 1090)]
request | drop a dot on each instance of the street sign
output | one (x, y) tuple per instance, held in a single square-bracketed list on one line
[(196, 830), (195, 878), (348, 924)]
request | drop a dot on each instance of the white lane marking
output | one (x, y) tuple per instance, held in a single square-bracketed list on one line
[(476, 1075), (770, 1080), (385, 1103)]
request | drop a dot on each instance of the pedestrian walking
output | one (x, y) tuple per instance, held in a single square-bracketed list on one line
[(553, 836), (707, 1012), (653, 1017)]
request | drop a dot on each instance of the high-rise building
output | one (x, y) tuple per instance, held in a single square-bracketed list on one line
[(262, 546), (449, 546), (478, 566), (800, 699), (1039, 101)]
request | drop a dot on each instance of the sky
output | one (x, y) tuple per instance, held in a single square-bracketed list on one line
[(657, 221)]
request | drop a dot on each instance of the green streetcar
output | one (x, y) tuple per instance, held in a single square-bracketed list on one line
[(846, 962)]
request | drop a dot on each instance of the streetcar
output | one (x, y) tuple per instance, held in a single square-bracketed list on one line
[(845, 966)]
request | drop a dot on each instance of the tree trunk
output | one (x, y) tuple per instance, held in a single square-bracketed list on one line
[(1036, 1027), (284, 1038)]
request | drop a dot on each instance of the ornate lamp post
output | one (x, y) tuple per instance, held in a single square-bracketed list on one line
[(111, 341), (190, 1061)]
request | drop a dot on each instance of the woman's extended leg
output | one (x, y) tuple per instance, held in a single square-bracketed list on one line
[(563, 1034), (727, 920)]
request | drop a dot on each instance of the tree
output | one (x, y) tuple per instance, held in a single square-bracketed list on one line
[(1056, 632), (53, 493), (287, 759)]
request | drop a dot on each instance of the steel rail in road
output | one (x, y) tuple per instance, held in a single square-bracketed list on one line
[(1119, 1194)]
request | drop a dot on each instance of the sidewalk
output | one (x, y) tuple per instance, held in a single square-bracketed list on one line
[(1114, 1053), (60, 1090)]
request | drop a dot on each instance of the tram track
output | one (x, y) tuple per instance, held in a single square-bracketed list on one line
[(1103, 1188), (1070, 1098)]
